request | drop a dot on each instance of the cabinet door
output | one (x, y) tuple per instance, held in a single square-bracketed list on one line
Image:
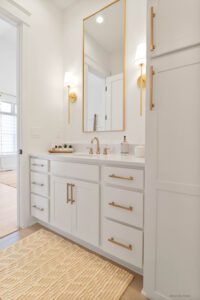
[(175, 25), (172, 204), (85, 211), (60, 206)]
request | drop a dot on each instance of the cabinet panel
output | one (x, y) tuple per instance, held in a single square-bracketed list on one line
[(123, 242), (40, 208), (75, 170), (40, 184), (123, 206), (178, 245), (176, 24), (123, 177), (39, 165), (85, 211), (172, 177), (60, 207)]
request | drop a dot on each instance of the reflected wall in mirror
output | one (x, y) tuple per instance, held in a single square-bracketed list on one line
[(104, 69)]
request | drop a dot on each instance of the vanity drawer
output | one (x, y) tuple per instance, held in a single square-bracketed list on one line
[(124, 206), (123, 177), (39, 165), (39, 184), (124, 242), (40, 208), (75, 170)]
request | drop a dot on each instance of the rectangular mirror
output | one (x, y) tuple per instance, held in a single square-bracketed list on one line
[(104, 69)]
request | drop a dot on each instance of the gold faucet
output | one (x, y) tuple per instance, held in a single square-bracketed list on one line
[(98, 146)]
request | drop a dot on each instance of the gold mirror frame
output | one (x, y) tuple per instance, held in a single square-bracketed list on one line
[(124, 67)]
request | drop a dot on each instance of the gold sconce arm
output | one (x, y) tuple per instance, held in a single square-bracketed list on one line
[(72, 97)]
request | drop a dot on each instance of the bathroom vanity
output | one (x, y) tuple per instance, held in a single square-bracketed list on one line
[(94, 200)]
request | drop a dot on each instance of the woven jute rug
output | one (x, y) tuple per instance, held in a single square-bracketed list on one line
[(45, 266)]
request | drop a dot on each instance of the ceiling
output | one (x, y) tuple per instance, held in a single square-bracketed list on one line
[(63, 3), (109, 34)]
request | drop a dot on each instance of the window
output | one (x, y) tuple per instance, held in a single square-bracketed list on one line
[(8, 127)]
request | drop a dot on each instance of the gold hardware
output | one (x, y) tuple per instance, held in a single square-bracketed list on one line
[(38, 208), (95, 123), (37, 183), (37, 165), (122, 177), (141, 83), (151, 102), (152, 46), (90, 150), (98, 146), (68, 199), (105, 151), (72, 97), (124, 67), (128, 247), (72, 196), (130, 208)]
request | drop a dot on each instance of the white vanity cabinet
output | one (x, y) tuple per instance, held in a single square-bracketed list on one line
[(39, 188), (75, 208), (172, 25), (172, 173), (122, 213), (96, 204)]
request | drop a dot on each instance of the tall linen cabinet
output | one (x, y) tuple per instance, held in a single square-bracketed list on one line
[(172, 192)]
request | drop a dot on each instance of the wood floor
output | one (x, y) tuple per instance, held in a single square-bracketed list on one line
[(8, 209), (133, 292)]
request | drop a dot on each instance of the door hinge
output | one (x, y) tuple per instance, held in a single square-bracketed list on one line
[(106, 117), (106, 89), (20, 151)]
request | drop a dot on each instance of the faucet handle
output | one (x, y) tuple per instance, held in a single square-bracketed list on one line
[(90, 150), (105, 150)]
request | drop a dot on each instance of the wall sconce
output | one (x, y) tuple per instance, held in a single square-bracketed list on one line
[(70, 82), (140, 60)]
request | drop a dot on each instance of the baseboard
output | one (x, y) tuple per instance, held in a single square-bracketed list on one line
[(99, 251)]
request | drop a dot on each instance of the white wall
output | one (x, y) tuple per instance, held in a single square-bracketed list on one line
[(42, 88), (45, 75), (136, 31)]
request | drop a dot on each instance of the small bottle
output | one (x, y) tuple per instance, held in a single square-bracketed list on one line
[(124, 146)]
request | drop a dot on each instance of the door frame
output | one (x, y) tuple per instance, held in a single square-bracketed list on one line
[(15, 14)]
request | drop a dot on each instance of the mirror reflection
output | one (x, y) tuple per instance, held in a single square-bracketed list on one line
[(103, 80)]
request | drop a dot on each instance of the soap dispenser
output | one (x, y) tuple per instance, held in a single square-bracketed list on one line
[(124, 146)]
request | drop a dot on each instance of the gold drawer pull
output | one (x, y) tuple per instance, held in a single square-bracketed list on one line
[(128, 247), (121, 177), (72, 193), (152, 45), (37, 183), (68, 198), (38, 208), (37, 165), (151, 101), (130, 208)]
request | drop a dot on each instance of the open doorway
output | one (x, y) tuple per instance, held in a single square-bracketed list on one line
[(8, 127)]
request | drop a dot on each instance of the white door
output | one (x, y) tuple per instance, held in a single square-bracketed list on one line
[(60, 205), (175, 25), (172, 205), (85, 211), (114, 102)]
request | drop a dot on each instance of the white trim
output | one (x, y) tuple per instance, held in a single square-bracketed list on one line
[(14, 12), (20, 7)]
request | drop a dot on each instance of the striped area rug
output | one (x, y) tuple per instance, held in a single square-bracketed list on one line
[(46, 266)]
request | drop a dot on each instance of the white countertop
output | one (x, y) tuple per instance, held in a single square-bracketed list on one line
[(129, 160)]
